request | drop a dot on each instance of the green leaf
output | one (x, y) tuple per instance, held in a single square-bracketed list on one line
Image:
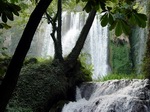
[(110, 4), (1, 26), (143, 16), (115, 1), (104, 20), (16, 7), (118, 29), (9, 15), (77, 1), (111, 19), (125, 27), (87, 7), (97, 7), (15, 12), (112, 26), (4, 18), (140, 20), (5, 26), (132, 19), (4, 48), (13, 1)]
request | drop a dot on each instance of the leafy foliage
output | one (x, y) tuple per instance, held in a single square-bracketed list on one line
[(86, 68), (146, 60), (7, 11), (146, 67), (120, 15), (38, 83), (41, 82), (120, 59), (4, 61), (121, 76)]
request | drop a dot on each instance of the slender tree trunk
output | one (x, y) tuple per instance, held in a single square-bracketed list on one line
[(58, 44), (73, 56), (11, 77)]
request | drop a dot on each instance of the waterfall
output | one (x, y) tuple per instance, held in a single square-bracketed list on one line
[(111, 96), (96, 44)]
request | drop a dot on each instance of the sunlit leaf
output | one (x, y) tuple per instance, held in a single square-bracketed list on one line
[(110, 4), (14, 1)]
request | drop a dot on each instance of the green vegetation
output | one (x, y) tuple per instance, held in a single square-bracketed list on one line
[(146, 60), (120, 58), (146, 66), (121, 76), (86, 68), (4, 61), (40, 83), (39, 80)]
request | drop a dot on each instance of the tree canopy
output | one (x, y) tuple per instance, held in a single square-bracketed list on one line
[(120, 15), (7, 12)]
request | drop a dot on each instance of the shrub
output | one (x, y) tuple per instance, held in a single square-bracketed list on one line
[(37, 84), (121, 76)]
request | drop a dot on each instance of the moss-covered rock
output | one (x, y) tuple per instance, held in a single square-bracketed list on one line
[(38, 86), (42, 86)]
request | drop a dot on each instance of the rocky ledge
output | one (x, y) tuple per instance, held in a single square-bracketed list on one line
[(112, 96)]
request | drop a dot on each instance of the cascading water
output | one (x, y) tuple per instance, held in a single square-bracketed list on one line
[(112, 96), (96, 44), (95, 48)]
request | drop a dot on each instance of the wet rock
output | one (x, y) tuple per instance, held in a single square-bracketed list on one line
[(112, 96)]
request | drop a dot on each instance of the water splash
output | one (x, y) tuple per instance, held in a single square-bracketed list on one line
[(112, 96)]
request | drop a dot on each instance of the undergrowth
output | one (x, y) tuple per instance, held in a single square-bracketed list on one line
[(121, 76), (38, 82), (42, 82)]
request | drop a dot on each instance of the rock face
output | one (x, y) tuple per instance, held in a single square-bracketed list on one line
[(112, 96)]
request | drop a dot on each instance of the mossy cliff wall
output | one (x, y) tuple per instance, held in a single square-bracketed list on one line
[(131, 59), (138, 39), (120, 55)]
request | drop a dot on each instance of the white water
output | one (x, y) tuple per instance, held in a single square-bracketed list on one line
[(96, 44), (112, 96), (42, 45)]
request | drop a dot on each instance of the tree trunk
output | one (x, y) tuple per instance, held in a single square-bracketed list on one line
[(12, 74), (73, 56), (58, 44)]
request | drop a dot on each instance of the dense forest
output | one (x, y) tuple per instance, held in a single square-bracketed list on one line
[(24, 79)]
